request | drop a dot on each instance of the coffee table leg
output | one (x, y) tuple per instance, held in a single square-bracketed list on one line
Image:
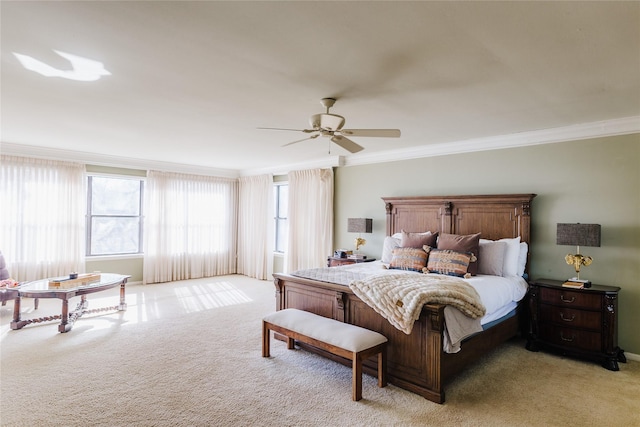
[(123, 303), (16, 323), (64, 325)]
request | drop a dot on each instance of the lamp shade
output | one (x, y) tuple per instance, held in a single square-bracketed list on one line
[(578, 234), (360, 225)]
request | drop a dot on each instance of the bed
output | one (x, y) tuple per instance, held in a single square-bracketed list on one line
[(417, 361)]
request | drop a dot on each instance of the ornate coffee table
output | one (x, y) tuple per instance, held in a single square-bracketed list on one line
[(43, 289)]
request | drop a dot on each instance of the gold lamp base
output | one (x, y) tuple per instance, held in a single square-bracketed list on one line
[(578, 261)]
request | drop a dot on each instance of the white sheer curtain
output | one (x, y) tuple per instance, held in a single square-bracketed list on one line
[(255, 226), (310, 219), (190, 226), (43, 208)]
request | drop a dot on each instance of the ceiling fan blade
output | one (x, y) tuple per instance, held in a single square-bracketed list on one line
[(382, 133), (295, 130), (300, 140), (347, 144)]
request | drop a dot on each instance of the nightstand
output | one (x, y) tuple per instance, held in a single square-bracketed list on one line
[(334, 261), (575, 322)]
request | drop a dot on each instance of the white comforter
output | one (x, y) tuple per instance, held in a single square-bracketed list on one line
[(499, 295)]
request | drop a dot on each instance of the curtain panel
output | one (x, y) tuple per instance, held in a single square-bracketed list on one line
[(310, 219), (42, 231), (255, 226), (190, 226)]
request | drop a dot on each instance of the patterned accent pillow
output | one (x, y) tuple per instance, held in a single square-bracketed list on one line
[(412, 259), (451, 263), (462, 243)]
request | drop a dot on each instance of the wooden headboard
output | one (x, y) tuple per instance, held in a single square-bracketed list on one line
[(495, 216)]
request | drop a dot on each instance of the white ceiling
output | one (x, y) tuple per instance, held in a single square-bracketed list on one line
[(191, 81)]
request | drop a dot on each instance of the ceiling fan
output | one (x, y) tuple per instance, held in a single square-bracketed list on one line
[(330, 125)]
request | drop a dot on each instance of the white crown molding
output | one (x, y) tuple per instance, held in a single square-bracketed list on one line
[(325, 162), (112, 161), (605, 128)]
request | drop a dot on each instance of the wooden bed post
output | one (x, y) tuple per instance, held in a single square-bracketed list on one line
[(435, 328), (389, 208), (279, 302)]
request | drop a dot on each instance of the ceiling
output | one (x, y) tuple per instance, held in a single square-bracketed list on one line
[(190, 82)]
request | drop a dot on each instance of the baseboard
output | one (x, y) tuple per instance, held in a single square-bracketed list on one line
[(632, 356)]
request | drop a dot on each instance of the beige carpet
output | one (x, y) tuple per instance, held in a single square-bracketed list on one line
[(188, 354)]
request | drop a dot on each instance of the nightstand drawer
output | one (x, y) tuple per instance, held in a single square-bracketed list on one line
[(572, 318), (574, 299), (571, 338), (336, 262)]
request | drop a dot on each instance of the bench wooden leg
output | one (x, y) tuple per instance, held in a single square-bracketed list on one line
[(382, 368), (291, 343), (356, 377), (266, 335)]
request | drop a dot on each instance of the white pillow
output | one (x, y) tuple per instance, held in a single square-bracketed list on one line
[(390, 243), (511, 255), (491, 257), (522, 258)]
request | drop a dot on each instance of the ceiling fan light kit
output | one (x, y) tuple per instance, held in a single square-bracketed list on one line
[(330, 125), (330, 122)]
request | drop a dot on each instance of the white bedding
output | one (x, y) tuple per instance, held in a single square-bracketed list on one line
[(499, 294)]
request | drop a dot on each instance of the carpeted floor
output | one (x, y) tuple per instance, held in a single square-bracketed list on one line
[(188, 354)]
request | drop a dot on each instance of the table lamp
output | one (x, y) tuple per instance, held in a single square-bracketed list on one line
[(578, 235), (359, 225)]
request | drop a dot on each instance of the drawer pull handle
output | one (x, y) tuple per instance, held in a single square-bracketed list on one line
[(567, 319), (566, 339), (567, 300)]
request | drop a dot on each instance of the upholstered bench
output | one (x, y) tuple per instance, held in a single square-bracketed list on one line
[(342, 339)]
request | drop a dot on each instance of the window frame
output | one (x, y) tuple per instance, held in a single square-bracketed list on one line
[(277, 219), (89, 216)]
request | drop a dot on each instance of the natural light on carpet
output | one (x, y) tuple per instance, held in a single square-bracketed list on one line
[(209, 295)]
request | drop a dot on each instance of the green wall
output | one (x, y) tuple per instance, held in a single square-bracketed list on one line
[(587, 181)]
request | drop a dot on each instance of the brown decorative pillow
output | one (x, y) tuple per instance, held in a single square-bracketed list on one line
[(408, 259), (462, 243), (418, 240), (448, 262)]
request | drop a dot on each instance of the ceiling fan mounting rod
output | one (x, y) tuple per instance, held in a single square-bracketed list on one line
[(328, 103)]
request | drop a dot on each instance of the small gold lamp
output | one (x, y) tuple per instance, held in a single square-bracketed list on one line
[(578, 235), (359, 225)]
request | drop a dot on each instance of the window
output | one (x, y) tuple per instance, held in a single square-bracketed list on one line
[(114, 215), (281, 203)]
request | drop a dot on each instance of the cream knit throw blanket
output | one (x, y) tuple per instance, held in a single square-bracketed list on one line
[(399, 297)]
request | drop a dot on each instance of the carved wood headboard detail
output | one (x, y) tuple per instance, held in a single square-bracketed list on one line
[(495, 216)]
